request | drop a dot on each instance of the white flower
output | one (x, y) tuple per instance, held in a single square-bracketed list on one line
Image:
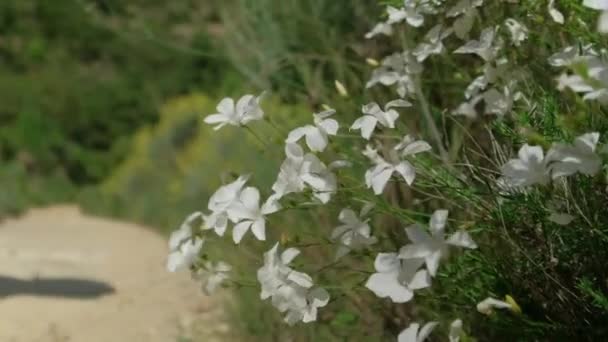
[(411, 334), (374, 115), (465, 11), (247, 109), (518, 32), (395, 15), (300, 170), (397, 279), (488, 305), (319, 178), (184, 232), (602, 24), (354, 233), (432, 44), (185, 255), (575, 82), (455, 330), (566, 160), (484, 47), (316, 136), (380, 28), (183, 248), (432, 247), (500, 103), (212, 275), (377, 176), (601, 5), (220, 201), (315, 298), (467, 108), (571, 55), (556, 15), (528, 169), (562, 219), (276, 270), (412, 13), (492, 71), (291, 291), (247, 214), (410, 146), (397, 69)]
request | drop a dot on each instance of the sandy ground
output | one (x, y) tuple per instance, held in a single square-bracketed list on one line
[(119, 289)]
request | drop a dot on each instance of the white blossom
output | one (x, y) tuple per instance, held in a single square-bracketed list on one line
[(397, 279), (571, 55), (501, 102), (562, 219), (528, 169), (467, 108), (602, 24), (290, 291), (488, 305), (247, 214), (276, 271), (413, 333), (397, 69), (354, 233), (184, 248), (432, 43), (566, 160), (485, 47), (307, 310), (455, 330), (247, 109), (212, 275), (518, 32), (220, 201), (374, 115), (465, 12), (412, 12), (555, 14), (316, 136), (601, 5), (300, 170), (434, 246), (377, 176), (409, 146), (380, 28), (185, 255)]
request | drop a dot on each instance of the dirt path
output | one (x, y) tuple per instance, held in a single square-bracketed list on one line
[(110, 277)]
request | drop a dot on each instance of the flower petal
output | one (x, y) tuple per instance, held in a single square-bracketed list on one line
[(426, 330), (239, 230), (462, 239), (386, 285)]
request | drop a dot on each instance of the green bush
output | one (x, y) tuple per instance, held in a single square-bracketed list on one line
[(77, 78)]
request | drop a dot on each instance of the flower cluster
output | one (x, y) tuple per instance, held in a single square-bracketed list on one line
[(399, 274), (533, 167), (310, 167)]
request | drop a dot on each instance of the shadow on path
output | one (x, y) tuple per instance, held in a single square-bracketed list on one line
[(54, 287)]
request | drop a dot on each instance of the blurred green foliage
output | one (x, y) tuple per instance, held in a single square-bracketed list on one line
[(78, 78), (175, 165)]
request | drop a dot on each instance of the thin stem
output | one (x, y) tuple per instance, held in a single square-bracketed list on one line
[(424, 106), (252, 132)]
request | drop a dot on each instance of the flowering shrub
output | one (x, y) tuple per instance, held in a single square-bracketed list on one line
[(524, 183)]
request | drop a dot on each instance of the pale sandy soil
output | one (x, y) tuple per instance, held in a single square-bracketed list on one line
[(148, 304)]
